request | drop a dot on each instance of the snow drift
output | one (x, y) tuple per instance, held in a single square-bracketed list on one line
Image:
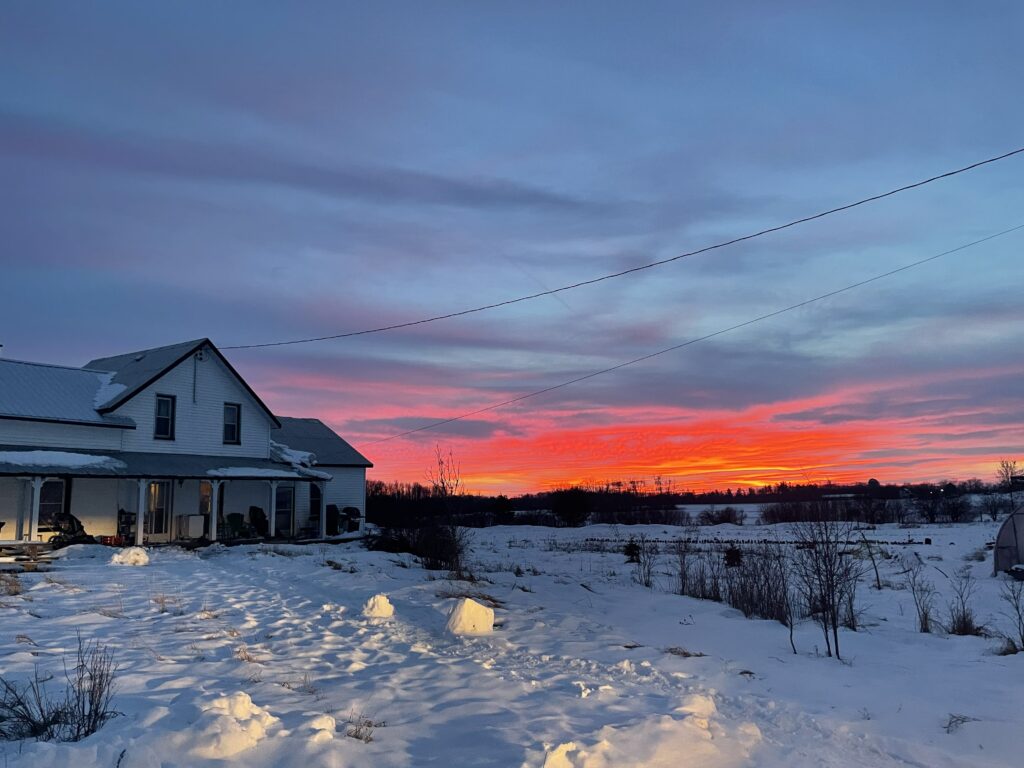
[(233, 724)]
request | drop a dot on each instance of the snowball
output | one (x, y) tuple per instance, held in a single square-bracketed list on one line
[(130, 556), (234, 724), (378, 607), (468, 617)]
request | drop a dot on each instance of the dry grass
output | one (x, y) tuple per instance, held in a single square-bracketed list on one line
[(305, 685), (675, 650), (10, 584), (362, 727), (242, 653), (168, 604)]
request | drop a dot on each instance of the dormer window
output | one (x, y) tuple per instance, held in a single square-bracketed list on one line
[(163, 427), (232, 424)]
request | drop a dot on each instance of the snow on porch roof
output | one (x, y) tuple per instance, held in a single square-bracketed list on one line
[(27, 461)]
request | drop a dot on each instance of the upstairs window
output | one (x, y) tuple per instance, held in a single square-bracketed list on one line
[(163, 428), (232, 424)]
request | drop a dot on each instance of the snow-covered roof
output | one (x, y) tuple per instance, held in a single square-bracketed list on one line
[(313, 436), (26, 460), (44, 392)]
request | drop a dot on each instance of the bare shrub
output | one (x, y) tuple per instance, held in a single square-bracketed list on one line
[(995, 506), (27, 711), (923, 593), (715, 516), (827, 575), (362, 727), (1012, 594), (646, 559), (438, 547), (960, 617), (955, 721)]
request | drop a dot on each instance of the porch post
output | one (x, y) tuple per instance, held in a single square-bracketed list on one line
[(19, 527), (140, 516), (273, 509), (214, 507), (323, 509), (33, 520)]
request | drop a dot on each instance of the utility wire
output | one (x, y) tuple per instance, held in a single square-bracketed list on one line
[(631, 270), (699, 339)]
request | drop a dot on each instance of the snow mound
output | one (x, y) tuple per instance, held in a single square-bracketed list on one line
[(233, 725), (321, 728), (658, 742), (130, 556), (378, 607), (468, 617)]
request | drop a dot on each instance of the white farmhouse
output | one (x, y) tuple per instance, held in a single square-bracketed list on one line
[(162, 445)]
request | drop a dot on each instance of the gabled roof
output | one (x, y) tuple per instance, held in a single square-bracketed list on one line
[(137, 370), (43, 392), (313, 436)]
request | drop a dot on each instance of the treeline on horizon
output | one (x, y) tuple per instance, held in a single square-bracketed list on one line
[(399, 504)]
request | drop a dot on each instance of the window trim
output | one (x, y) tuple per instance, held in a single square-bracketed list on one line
[(238, 424), (173, 417)]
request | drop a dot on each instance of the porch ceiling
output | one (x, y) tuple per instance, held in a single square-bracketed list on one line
[(21, 461)]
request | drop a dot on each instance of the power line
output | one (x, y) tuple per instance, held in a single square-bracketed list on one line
[(699, 339), (631, 270)]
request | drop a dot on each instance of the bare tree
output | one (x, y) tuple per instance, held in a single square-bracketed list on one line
[(827, 575), (445, 546), (1008, 470), (646, 559), (445, 477)]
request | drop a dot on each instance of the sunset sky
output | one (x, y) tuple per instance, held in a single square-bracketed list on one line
[(257, 172)]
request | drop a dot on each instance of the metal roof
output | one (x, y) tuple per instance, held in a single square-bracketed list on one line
[(20, 460), (43, 392), (135, 370), (315, 437)]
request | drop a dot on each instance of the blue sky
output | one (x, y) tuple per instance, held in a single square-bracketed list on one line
[(255, 171)]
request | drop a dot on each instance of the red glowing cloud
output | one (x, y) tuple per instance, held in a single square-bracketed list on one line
[(902, 428)]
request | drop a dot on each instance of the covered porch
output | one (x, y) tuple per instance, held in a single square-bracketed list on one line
[(157, 498)]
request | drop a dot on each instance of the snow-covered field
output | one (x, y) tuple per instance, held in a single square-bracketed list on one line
[(262, 656)]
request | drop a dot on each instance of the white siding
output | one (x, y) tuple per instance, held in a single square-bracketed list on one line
[(94, 501), (46, 434), (347, 488), (239, 495), (13, 498), (199, 425)]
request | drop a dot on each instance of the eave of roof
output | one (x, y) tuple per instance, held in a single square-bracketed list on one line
[(151, 466)]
